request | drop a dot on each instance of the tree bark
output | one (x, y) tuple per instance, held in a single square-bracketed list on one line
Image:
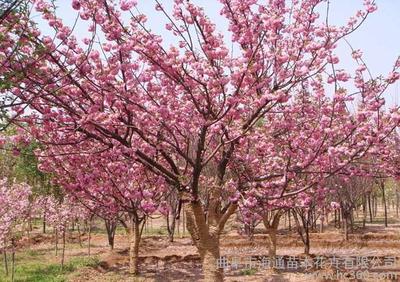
[(346, 228), (210, 253), (134, 241), (384, 203), (321, 223), (5, 261), (89, 234), (44, 223), (56, 247), (370, 208), (12, 266), (171, 222), (335, 218), (206, 234), (63, 249), (12, 259), (351, 218), (307, 245), (364, 210), (79, 235), (303, 228), (183, 221), (271, 226), (111, 227)]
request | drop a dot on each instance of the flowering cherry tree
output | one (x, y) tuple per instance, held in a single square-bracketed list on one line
[(110, 186), (15, 208), (60, 212), (14, 26), (178, 110)]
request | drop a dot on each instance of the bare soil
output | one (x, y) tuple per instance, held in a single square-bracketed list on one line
[(179, 261)]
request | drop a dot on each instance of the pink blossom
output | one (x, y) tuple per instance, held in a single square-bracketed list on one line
[(126, 5), (76, 4)]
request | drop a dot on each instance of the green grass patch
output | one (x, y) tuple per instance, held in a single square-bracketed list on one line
[(249, 271), (32, 266)]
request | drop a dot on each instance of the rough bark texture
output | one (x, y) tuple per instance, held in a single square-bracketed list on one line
[(134, 241), (271, 223), (206, 235), (209, 253), (272, 242)]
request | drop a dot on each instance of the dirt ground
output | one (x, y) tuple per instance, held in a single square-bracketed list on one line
[(244, 259)]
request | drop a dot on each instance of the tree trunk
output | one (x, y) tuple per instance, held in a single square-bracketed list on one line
[(44, 223), (178, 227), (210, 254), (12, 260), (12, 266), (314, 216), (370, 208), (307, 245), (5, 261), (346, 228), (89, 234), (272, 243), (111, 227), (321, 224), (183, 221), (335, 218), (364, 211), (303, 228), (384, 203), (306, 238), (271, 226), (56, 242), (351, 221), (63, 250), (134, 241), (79, 235), (206, 233), (85, 226), (171, 222)]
